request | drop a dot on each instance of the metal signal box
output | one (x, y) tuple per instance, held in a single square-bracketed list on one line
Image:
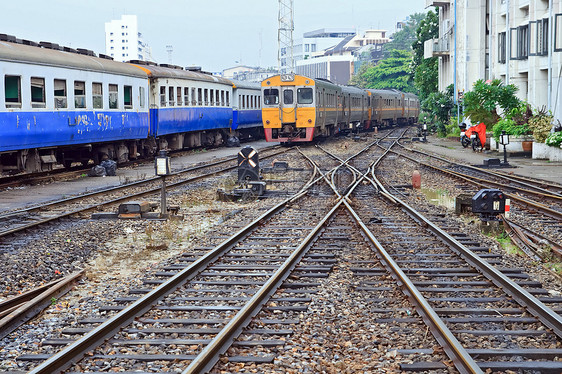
[(248, 165), (489, 203)]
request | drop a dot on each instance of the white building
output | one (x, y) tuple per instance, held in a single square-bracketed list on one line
[(502, 39), (123, 41), (315, 42)]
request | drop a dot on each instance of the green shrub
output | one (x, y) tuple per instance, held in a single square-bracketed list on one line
[(510, 127), (452, 128), (486, 96), (554, 140), (541, 124)]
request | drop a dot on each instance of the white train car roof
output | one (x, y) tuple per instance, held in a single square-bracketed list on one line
[(28, 54), (246, 85), (156, 71)]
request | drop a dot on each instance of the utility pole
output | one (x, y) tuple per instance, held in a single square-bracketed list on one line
[(285, 36)]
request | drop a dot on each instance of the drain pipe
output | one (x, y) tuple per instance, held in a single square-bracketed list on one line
[(490, 39), (550, 50), (507, 43)]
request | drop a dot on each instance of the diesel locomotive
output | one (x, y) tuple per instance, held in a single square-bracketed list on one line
[(298, 109)]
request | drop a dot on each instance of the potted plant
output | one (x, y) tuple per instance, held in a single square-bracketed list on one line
[(541, 124), (515, 124)]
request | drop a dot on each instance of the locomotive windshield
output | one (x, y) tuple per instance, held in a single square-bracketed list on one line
[(304, 96), (287, 96), (271, 96)]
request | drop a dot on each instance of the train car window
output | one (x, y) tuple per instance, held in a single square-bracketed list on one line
[(162, 96), (97, 95), (178, 96), (113, 96), (241, 102), (128, 97), (38, 92), (199, 96), (60, 93), (287, 96), (171, 96), (222, 98), (259, 102), (193, 97), (186, 96), (227, 98), (305, 95), (270, 96), (212, 97), (79, 94), (206, 93), (218, 98), (12, 91), (142, 97)]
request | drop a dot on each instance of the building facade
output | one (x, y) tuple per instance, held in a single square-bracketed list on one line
[(123, 41), (517, 41)]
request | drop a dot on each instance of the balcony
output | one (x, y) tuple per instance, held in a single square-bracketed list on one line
[(436, 47), (429, 3)]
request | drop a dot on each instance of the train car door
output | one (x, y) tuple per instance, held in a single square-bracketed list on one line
[(288, 105)]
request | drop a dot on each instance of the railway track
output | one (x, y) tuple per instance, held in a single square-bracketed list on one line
[(33, 217), (487, 318)]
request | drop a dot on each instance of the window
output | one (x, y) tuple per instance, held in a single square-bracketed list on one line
[(38, 92), (307, 47), (199, 96), (259, 101), (97, 96), (227, 98), (206, 98), (12, 91), (162, 96), (523, 42), (60, 93), (212, 93), (217, 97), (287, 96), (142, 97), (222, 98), (305, 96), (128, 97), (193, 97), (542, 37), (178, 96), (502, 47), (241, 101), (558, 32), (113, 96), (171, 96), (186, 96), (79, 94)]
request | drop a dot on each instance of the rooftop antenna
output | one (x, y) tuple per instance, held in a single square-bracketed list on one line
[(170, 50), (285, 59)]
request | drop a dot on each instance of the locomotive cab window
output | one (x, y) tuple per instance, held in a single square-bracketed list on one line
[(79, 95), (113, 96), (305, 96), (128, 93), (97, 95), (12, 91), (37, 92), (287, 96), (271, 96), (60, 93)]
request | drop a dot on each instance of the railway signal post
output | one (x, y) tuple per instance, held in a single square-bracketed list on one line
[(163, 168)]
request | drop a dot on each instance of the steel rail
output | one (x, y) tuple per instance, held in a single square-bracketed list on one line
[(210, 355), (516, 178), (551, 212), (34, 302), (78, 349), (116, 200), (546, 315), (132, 184)]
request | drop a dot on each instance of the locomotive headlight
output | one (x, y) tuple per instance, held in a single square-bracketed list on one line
[(267, 121), (309, 120)]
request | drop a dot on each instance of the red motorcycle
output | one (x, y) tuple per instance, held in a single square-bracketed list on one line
[(477, 136)]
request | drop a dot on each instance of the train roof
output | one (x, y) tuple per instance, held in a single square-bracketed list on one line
[(35, 55), (155, 71), (247, 85)]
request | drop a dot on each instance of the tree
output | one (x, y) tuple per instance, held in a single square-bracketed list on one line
[(392, 72), (403, 39), (425, 71), (482, 102)]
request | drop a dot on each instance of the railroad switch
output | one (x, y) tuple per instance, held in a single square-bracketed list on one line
[(139, 210)]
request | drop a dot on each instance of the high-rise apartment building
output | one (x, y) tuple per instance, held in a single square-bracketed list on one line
[(123, 41)]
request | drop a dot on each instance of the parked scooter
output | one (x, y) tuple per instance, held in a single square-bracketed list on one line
[(465, 140)]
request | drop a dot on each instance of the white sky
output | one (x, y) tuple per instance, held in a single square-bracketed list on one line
[(213, 34)]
